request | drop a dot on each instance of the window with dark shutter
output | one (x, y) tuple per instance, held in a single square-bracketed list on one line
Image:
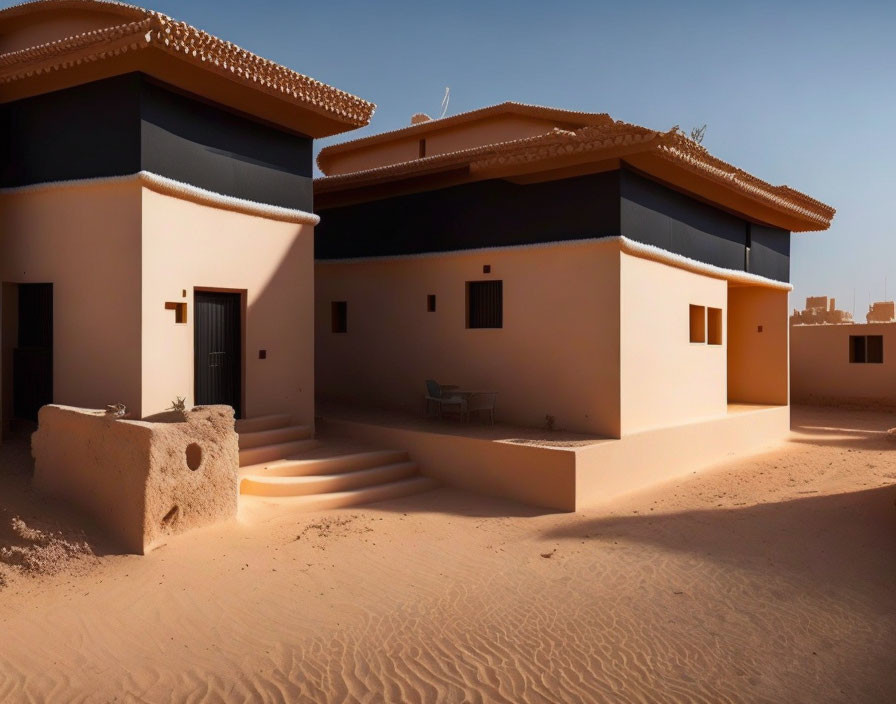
[(866, 349), (485, 304), (339, 316)]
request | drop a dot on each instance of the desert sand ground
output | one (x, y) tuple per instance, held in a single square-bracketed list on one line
[(766, 579)]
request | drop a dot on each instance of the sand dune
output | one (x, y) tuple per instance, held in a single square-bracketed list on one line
[(768, 579)]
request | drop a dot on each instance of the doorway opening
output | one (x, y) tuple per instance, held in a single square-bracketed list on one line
[(218, 346), (27, 353)]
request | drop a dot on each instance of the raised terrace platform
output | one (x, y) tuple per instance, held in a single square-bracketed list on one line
[(557, 469)]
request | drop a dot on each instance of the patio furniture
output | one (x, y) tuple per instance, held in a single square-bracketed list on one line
[(442, 398), (481, 402)]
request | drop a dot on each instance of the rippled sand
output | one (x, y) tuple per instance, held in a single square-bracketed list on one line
[(769, 579)]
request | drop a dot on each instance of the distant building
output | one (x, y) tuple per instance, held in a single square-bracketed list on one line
[(820, 311), (881, 312)]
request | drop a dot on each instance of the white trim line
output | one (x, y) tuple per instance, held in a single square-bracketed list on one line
[(624, 244), (184, 191)]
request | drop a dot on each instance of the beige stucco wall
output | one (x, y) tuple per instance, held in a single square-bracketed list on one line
[(758, 361), (466, 135), (557, 353), (666, 379), (84, 240), (141, 481), (606, 470), (822, 373), (188, 246)]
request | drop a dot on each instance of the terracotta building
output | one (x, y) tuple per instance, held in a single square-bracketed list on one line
[(618, 279), (820, 311), (156, 226)]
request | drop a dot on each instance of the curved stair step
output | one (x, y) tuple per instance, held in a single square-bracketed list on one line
[(261, 485), (267, 453), (335, 464), (354, 497), (259, 423), (273, 436)]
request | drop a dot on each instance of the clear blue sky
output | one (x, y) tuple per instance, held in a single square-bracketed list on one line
[(802, 93)]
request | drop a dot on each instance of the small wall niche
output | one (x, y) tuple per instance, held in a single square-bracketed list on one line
[(431, 303), (698, 323), (180, 311)]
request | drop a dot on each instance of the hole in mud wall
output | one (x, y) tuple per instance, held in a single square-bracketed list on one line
[(194, 456), (171, 517)]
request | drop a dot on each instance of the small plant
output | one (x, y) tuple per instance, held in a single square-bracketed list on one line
[(117, 410), (697, 134), (178, 404), (550, 422)]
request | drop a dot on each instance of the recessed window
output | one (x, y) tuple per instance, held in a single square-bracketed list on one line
[(866, 349), (431, 303), (698, 323), (486, 268), (422, 148), (485, 304), (339, 316), (714, 326)]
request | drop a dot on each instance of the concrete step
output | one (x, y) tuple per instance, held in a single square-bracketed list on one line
[(326, 460), (273, 436), (340, 499), (266, 485), (259, 423), (276, 451)]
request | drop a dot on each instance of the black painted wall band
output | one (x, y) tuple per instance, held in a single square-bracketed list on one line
[(119, 126)]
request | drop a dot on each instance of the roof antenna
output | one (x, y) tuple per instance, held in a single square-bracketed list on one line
[(445, 101)]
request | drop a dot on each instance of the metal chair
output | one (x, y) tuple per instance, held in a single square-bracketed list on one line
[(482, 401), (435, 397)]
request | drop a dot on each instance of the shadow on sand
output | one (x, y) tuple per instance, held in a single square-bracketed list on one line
[(844, 542)]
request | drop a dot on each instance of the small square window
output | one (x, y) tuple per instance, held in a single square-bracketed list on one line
[(714, 326), (486, 268), (339, 316), (485, 304), (698, 323), (431, 303)]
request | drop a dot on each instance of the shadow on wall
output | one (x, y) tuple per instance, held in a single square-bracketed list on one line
[(842, 542)]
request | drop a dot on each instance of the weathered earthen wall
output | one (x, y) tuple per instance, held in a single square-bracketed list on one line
[(140, 480)]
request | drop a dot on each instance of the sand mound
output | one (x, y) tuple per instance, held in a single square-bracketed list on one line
[(39, 550)]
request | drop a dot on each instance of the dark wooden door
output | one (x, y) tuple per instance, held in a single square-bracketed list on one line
[(32, 361), (218, 349)]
